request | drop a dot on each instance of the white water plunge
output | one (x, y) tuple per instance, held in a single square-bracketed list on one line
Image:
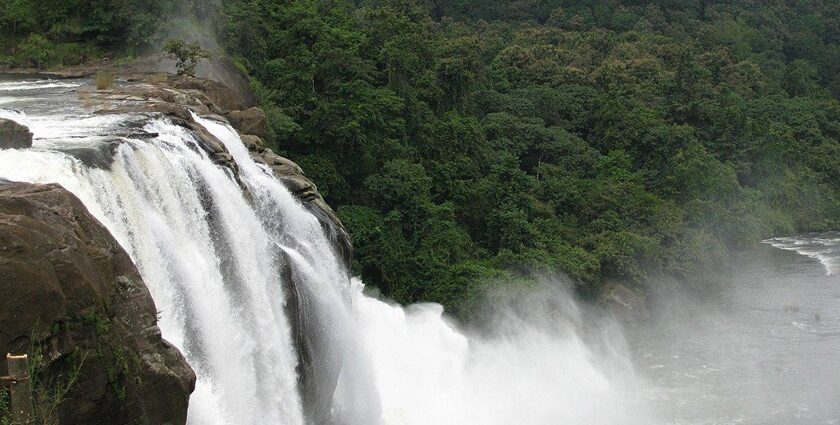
[(211, 261)]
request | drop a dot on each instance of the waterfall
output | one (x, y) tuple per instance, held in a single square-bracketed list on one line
[(206, 260), (209, 263), (214, 255), (543, 361)]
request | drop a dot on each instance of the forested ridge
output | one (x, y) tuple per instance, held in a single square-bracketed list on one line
[(479, 141)]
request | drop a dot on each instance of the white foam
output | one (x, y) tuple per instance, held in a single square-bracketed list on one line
[(826, 250), (35, 85)]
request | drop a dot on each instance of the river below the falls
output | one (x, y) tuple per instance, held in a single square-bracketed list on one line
[(764, 350)]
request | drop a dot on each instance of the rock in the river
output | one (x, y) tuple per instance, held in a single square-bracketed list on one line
[(14, 135), (71, 292)]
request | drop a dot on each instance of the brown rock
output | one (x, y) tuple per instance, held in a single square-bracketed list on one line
[(253, 143), (14, 135), (221, 95), (69, 289), (249, 121)]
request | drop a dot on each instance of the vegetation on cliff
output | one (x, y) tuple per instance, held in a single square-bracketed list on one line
[(46, 33), (610, 140), (627, 140)]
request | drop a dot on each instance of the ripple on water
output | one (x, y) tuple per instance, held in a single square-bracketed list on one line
[(823, 247)]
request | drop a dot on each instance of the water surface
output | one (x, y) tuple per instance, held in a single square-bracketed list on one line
[(765, 350)]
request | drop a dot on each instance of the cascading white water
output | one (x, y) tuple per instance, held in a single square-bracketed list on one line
[(225, 314), (202, 251), (211, 260), (536, 366)]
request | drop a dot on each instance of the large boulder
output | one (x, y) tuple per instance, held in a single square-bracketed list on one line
[(250, 121), (14, 135), (74, 300), (221, 95)]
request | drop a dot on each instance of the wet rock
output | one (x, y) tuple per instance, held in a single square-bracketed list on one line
[(220, 95), (14, 135), (99, 155), (69, 289), (249, 121), (253, 143)]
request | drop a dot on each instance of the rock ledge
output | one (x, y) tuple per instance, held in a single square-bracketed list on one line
[(73, 298)]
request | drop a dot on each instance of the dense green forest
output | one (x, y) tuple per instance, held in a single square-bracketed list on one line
[(478, 141)]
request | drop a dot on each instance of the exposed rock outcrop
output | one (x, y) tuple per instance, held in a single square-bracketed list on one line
[(14, 135), (71, 293), (292, 176), (250, 121)]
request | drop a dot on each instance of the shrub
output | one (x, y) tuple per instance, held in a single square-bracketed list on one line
[(74, 53), (103, 80), (157, 78), (36, 51), (187, 55)]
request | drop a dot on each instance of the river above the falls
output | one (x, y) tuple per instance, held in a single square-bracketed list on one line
[(765, 350)]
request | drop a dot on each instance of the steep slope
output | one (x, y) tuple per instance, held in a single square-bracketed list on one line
[(74, 300)]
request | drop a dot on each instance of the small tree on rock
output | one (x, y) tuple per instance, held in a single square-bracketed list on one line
[(187, 55)]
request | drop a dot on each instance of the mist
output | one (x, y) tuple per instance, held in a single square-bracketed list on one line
[(544, 359), (758, 347)]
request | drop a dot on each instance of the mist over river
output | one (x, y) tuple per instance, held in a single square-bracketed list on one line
[(765, 350), (762, 347)]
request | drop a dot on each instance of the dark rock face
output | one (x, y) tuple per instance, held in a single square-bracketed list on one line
[(68, 288), (14, 135)]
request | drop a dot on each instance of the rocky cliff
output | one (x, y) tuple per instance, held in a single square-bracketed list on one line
[(73, 299)]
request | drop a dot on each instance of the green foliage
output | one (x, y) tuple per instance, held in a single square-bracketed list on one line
[(71, 32), (5, 400), (465, 140), (119, 363), (52, 380), (51, 389), (186, 55), (36, 51)]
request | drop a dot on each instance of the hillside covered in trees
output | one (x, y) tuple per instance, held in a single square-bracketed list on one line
[(478, 141)]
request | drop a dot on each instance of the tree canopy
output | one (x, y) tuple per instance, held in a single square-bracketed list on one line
[(478, 141), (469, 140)]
